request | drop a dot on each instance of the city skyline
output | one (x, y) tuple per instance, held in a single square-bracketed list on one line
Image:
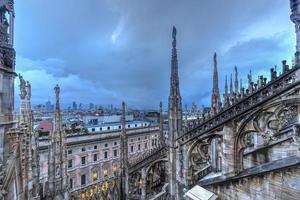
[(112, 51)]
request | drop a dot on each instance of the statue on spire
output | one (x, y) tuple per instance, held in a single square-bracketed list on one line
[(57, 91), (236, 81), (28, 86), (22, 86), (174, 33)]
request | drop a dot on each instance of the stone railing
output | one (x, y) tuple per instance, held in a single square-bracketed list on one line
[(161, 195), (8, 119), (200, 174), (260, 95), (147, 157)]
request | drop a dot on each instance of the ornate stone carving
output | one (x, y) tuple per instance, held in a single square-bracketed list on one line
[(7, 57), (199, 157), (28, 90), (4, 35), (283, 119)]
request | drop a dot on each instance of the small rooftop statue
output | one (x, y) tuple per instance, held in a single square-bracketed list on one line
[(174, 33), (22, 85)]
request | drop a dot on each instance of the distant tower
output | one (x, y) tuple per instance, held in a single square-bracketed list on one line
[(57, 170), (215, 98), (7, 73), (175, 120), (295, 17), (123, 157)]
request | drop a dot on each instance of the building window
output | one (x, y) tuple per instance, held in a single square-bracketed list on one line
[(70, 163), (100, 128), (95, 175), (145, 124), (131, 140), (71, 183), (93, 129), (83, 179), (116, 143), (145, 137), (128, 125), (115, 153), (135, 125), (108, 128), (95, 147), (70, 151), (95, 157), (82, 160), (105, 155), (146, 146), (105, 145), (119, 127), (139, 139), (131, 149), (83, 149), (139, 147)]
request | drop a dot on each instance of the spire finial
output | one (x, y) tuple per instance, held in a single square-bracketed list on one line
[(236, 81), (28, 86), (174, 89), (215, 78), (22, 85), (231, 85), (226, 86), (215, 98), (215, 58), (174, 33), (57, 92)]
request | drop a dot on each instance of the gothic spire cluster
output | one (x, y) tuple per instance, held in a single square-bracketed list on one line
[(236, 90)]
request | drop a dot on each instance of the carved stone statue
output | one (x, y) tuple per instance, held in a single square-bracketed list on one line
[(174, 33), (28, 86), (57, 91), (22, 85), (4, 35)]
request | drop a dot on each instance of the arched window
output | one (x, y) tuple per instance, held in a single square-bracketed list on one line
[(95, 175)]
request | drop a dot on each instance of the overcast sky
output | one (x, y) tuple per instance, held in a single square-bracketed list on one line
[(106, 51)]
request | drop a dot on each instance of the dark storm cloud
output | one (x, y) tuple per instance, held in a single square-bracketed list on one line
[(120, 49)]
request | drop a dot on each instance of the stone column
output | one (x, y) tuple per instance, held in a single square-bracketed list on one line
[(298, 113), (185, 166), (228, 150), (172, 172), (144, 176)]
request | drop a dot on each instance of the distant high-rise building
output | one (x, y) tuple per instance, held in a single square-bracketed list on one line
[(49, 107), (74, 106), (92, 106)]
